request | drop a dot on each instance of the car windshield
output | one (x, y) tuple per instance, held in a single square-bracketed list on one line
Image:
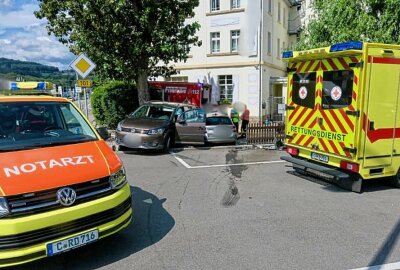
[(160, 112), (28, 125), (215, 121)]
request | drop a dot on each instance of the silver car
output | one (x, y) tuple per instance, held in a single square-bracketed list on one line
[(220, 129)]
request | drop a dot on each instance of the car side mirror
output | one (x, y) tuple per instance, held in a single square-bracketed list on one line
[(103, 132)]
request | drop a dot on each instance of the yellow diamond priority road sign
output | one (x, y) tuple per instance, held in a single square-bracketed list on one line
[(82, 65)]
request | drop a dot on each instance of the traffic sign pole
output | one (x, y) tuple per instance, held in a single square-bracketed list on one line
[(86, 103), (83, 66)]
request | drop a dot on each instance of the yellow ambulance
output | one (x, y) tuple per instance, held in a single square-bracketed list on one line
[(343, 112), (61, 185)]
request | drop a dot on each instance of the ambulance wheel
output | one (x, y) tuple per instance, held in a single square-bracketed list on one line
[(395, 180)]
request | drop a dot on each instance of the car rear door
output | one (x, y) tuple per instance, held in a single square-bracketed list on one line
[(191, 127)]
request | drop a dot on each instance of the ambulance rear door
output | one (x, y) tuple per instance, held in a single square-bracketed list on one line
[(322, 110)]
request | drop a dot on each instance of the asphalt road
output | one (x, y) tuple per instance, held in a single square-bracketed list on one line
[(191, 211)]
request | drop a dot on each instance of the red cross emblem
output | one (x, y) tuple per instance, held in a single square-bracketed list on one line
[(303, 92), (336, 93)]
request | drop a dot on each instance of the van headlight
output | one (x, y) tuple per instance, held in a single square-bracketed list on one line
[(118, 179), (4, 211), (157, 131)]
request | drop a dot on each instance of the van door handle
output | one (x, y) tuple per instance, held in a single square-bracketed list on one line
[(320, 121), (371, 125)]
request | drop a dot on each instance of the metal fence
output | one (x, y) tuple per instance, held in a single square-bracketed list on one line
[(262, 133)]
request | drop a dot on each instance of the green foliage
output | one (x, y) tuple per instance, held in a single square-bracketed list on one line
[(127, 39), (111, 102), (31, 71), (342, 20)]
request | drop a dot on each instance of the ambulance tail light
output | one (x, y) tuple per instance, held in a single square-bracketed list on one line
[(351, 45), (292, 151), (348, 166)]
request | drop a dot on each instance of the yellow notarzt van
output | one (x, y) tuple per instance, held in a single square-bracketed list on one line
[(61, 185), (343, 112)]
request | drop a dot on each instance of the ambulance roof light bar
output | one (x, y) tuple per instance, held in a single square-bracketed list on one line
[(287, 54), (344, 46)]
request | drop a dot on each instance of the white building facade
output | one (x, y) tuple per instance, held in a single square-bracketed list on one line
[(239, 61)]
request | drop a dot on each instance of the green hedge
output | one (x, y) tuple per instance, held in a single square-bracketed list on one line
[(111, 102)]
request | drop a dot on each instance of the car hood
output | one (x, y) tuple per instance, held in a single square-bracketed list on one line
[(144, 123), (51, 167)]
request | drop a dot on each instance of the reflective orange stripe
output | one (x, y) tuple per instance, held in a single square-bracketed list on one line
[(339, 123), (347, 119), (323, 145)]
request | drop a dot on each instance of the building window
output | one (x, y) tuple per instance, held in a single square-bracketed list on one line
[(269, 47), (235, 4), (235, 40), (215, 42), (278, 48), (225, 83), (214, 5), (279, 11), (284, 17), (269, 6), (283, 46)]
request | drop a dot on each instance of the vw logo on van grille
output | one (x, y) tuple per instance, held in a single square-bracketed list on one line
[(66, 196)]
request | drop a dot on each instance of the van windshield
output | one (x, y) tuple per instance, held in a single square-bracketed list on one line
[(27, 125)]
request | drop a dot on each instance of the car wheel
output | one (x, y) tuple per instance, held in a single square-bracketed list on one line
[(395, 180), (167, 143)]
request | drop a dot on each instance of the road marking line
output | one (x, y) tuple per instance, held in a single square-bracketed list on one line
[(222, 165), (389, 266), (236, 164), (181, 161)]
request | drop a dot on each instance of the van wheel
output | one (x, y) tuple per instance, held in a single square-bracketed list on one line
[(395, 180), (167, 143)]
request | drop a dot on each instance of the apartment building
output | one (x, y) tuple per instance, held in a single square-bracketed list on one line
[(240, 56)]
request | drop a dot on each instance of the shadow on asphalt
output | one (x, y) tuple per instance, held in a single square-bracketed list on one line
[(150, 223), (372, 185)]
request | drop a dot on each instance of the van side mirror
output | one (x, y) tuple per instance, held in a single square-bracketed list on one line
[(103, 132)]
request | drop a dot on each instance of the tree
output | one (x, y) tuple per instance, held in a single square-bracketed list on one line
[(343, 20), (127, 39)]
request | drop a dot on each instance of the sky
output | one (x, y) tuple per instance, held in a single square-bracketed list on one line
[(24, 37)]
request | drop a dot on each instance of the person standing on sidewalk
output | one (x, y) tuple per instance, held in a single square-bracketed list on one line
[(235, 118), (245, 117)]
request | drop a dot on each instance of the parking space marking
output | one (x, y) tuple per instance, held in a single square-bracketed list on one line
[(389, 266), (223, 165), (181, 161)]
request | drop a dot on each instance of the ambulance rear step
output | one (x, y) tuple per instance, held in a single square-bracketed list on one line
[(339, 177)]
